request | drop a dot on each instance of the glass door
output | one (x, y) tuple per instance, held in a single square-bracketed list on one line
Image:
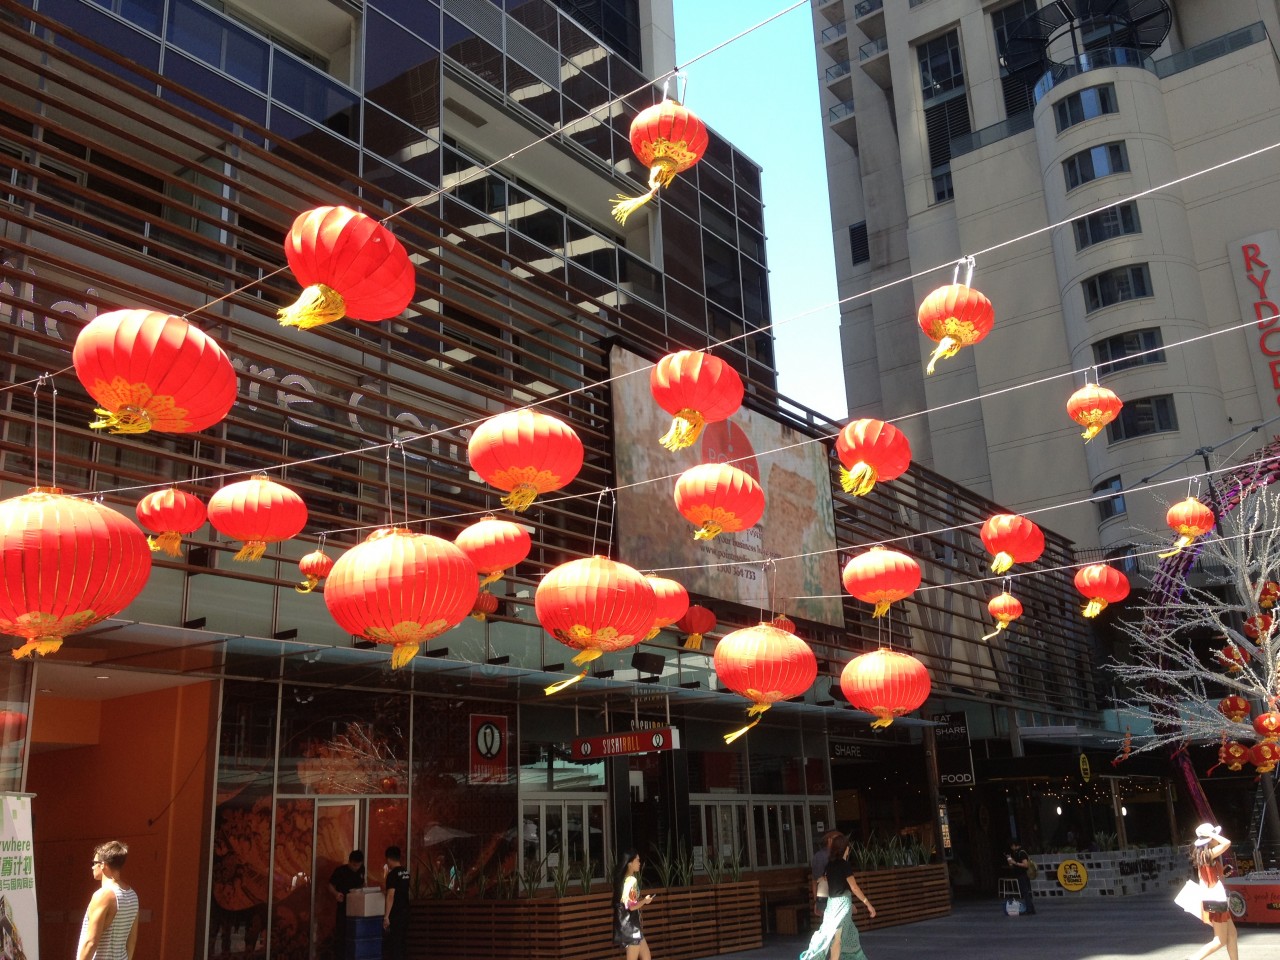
[(339, 830), (563, 841)]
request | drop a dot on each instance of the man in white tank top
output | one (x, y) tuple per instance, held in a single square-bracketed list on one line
[(110, 927)]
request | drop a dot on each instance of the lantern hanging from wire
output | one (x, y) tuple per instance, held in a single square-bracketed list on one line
[(1011, 539), (671, 602), (1101, 585), (1233, 755), (1264, 756), (1005, 608), (1189, 519), (350, 266), (1258, 626), (314, 567), (173, 513), (696, 389), (1233, 657), (955, 316), (1234, 707), (885, 684), (719, 498), (486, 605), (595, 606), (1268, 594), (1267, 725), (257, 511), (783, 622), (526, 453), (402, 588), (765, 664), (881, 576), (870, 451), (696, 623), (494, 546), (1093, 406), (668, 139), (68, 563), (151, 371)]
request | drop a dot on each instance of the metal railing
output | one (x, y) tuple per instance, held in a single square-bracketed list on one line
[(1092, 60), (977, 139), (835, 31), (841, 69), (840, 111), (865, 7), (869, 50), (1211, 49)]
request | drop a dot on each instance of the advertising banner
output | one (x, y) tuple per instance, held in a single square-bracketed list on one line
[(489, 752), (955, 758), (18, 932), (798, 522)]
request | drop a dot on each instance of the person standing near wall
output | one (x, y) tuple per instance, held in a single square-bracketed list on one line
[(110, 927), (395, 920), (1019, 863), (345, 878)]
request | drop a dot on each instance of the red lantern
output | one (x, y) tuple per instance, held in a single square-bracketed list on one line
[(1006, 608), (173, 513), (350, 264), (66, 564), (1264, 756), (13, 726), (485, 606), (151, 371), (1267, 725), (881, 576), (764, 664), (886, 684), (696, 389), (697, 623), (1268, 594), (596, 606), (1012, 539), (668, 139), (1189, 519), (1101, 585), (525, 452), (671, 602), (954, 316), (1234, 708), (257, 511), (719, 498), (1258, 626), (494, 546), (1234, 755), (1093, 407), (1233, 658), (783, 622), (401, 588), (315, 566), (870, 451)]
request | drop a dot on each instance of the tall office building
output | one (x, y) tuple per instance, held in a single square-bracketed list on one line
[(957, 127)]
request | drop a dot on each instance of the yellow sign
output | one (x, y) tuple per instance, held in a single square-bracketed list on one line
[(1085, 772), (1072, 875)]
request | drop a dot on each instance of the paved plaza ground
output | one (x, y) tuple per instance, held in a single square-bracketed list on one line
[(1149, 927)]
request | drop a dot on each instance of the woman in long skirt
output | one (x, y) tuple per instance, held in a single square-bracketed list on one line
[(837, 936)]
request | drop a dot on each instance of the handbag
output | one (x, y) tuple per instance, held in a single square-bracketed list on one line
[(821, 887), (1214, 898), (1032, 871)]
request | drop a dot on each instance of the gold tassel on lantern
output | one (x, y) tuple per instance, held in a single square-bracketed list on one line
[(708, 531), (307, 585), (693, 641), (685, 430), (319, 304), (126, 420), (757, 711), (521, 498), (1000, 625), (1002, 562), (251, 551), (583, 659), (169, 542), (947, 347), (1094, 607), (859, 480)]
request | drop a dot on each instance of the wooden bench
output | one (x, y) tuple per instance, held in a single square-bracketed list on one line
[(784, 899)]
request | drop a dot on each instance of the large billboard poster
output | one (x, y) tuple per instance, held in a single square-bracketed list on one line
[(798, 528)]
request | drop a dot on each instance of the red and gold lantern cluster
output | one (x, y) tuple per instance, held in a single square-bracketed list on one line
[(668, 139), (1264, 756), (1101, 585), (257, 511), (881, 576), (719, 498), (1268, 594), (1011, 539), (696, 389), (1258, 626), (1189, 519), (671, 602), (172, 513), (871, 451), (765, 664), (525, 453), (954, 316), (885, 684), (1093, 406), (1234, 707), (1233, 755), (696, 623)]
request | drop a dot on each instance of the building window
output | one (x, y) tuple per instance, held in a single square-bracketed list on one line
[(1112, 506), (1138, 418), (859, 248), (1095, 163), (946, 106), (1133, 349), (1116, 286), (1107, 224), (1085, 105), (941, 70), (1018, 96)]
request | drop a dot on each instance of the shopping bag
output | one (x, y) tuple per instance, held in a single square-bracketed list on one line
[(1190, 897), (1014, 907)]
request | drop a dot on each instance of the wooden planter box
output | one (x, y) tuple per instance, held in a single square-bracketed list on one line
[(682, 923), (903, 895)]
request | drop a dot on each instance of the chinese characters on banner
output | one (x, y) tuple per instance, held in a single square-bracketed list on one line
[(488, 749), (18, 879)]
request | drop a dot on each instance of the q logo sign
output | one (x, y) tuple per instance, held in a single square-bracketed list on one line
[(488, 740)]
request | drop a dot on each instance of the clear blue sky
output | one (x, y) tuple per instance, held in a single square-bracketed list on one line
[(761, 94)]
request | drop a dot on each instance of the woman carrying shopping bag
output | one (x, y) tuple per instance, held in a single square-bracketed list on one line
[(1206, 858)]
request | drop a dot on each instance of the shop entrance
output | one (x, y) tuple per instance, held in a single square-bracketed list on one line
[(563, 839)]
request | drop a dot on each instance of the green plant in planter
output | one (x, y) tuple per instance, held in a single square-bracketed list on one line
[(531, 875), (1106, 841), (715, 869), (586, 871), (481, 884), (561, 874), (682, 867), (664, 864), (733, 866), (441, 878), (507, 886)]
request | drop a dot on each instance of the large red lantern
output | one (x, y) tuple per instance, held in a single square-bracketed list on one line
[(881, 576), (1093, 407), (65, 564), (886, 684), (954, 316), (1233, 658), (1011, 539), (1005, 608), (1267, 725), (402, 588), (525, 452), (1101, 585), (151, 371), (350, 264), (696, 389), (668, 139), (494, 546), (671, 602), (257, 511), (314, 567), (1258, 626), (173, 513), (719, 498), (1268, 594), (870, 451), (1264, 756), (765, 664), (595, 606), (1189, 519), (1235, 708), (1234, 755), (696, 623)]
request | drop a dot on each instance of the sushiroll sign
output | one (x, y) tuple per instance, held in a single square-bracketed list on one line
[(1255, 267)]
